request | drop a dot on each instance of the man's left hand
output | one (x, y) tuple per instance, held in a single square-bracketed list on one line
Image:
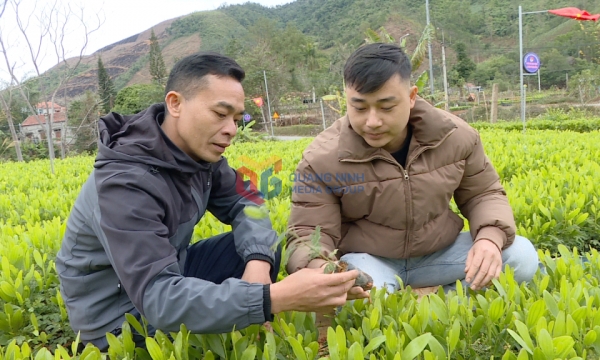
[(257, 271), (484, 263)]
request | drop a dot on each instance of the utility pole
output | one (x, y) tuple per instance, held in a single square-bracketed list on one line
[(268, 103), (522, 88), (447, 107), (429, 51)]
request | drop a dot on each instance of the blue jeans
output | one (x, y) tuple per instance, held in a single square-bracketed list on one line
[(443, 267)]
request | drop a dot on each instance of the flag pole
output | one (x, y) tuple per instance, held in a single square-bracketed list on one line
[(521, 66)]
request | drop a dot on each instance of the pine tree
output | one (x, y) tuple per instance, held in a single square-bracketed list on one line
[(158, 70), (106, 89)]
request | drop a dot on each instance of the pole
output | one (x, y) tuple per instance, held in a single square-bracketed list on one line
[(323, 115), (447, 106), (268, 103), (521, 65), (429, 51), (494, 116), (539, 81)]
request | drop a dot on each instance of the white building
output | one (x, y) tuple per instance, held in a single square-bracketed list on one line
[(32, 130)]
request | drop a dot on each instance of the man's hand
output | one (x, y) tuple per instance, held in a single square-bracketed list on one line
[(356, 292), (484, 263), (310, 290), (257, 271)]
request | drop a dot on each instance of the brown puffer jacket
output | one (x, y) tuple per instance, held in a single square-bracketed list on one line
[(364, 201)]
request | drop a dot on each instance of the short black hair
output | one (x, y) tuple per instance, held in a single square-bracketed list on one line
[(187, 75), (371, 65)]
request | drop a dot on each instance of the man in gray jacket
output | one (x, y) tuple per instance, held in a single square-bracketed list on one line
[(127, 244)]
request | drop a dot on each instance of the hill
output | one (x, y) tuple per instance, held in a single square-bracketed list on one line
[(304, 43)]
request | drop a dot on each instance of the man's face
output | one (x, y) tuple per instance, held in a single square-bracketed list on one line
[(381, 117), (205, 123)]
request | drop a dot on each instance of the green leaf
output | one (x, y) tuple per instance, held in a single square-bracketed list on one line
[(299, 352), (545, 343), (114, 343), (374, 344), (453, 336), (520, 340), (589, 338), (250, 353), (551, 303), (416, 346), (135, 323), (437, 349), (524, 332), (355, 352), (523, 355), (154, 349), (536, 311), (8, 289), (215, 344), (563, 345)]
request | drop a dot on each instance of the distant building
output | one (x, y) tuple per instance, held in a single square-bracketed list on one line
[(32, 130)]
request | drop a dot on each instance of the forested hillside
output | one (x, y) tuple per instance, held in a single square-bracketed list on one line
[(302, 45)]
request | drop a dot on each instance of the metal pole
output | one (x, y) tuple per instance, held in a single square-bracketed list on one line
[(429, 50), (323, 115), (521, 66), (539, 81), (447, 106), (268, 103)]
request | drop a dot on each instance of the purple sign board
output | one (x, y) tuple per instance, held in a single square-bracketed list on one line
[(247, 117), (531, 62)]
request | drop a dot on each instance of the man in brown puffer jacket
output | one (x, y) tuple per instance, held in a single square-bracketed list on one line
[(380, 180)]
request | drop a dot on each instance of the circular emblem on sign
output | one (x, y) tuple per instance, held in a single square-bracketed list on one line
[(247, 117), (531, 62)]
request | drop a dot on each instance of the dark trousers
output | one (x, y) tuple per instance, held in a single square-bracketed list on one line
[(214, 259)]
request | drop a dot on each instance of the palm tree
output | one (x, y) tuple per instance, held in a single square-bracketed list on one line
[(416, 59), (417, 56)]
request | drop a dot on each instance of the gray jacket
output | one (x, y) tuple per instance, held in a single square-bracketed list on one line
[(127, 236)]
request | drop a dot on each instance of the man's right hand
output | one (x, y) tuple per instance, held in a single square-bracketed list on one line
[(310, 290)]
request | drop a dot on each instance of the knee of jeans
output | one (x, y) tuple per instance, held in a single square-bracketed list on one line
[(375, 267), (522, 257)]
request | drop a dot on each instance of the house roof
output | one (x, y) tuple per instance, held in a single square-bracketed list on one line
[(47, 104), (33, 119)]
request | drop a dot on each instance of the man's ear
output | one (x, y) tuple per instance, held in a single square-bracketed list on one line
[(173, 101), (413, 95)]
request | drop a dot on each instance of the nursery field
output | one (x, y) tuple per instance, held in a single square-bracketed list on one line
[(551, 176)]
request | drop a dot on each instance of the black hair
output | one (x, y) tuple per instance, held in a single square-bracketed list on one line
[(187, 75), (370, 66)]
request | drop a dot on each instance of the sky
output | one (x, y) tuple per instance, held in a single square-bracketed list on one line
[(120, 19)]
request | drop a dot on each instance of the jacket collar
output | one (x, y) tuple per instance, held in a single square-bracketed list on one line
[(430, 127)]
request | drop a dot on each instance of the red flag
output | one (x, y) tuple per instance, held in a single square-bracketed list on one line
[(258, 101), (575, 13)]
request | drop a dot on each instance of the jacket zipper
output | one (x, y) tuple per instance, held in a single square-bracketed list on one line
[(408, 191), (209, 177)]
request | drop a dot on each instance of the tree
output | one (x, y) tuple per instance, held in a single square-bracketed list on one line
[(106, 89), (462, 70), (418, 54), (158, 70), (5, 104), (83, 115), (464, 65), (54, 25), (135, 98)]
